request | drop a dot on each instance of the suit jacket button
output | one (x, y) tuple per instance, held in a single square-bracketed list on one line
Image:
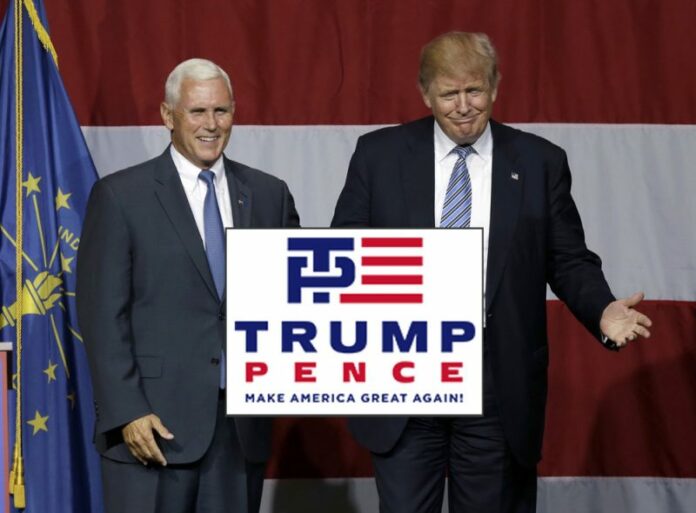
[(215, 361), (221, 316)]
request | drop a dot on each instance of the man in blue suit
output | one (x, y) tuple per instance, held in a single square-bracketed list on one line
[(151, 304), (459, 168)]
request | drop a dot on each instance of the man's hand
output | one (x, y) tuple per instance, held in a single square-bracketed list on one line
[(621, 323), (140, 439)]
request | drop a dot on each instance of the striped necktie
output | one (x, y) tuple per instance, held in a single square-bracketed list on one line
[(214, 232), (456, 211)]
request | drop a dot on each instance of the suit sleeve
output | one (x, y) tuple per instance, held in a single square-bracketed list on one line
[(353, 206), (573, 271), (104, 311)]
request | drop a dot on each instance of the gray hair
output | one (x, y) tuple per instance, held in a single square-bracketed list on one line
[(194, 69)]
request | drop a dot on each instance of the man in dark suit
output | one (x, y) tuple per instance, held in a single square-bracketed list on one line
[(151, 304), (459, 168)]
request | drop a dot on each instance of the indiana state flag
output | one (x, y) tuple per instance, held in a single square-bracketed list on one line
[(46, 171)]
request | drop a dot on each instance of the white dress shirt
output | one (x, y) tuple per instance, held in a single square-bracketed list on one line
[(480, 166), (196, 189)]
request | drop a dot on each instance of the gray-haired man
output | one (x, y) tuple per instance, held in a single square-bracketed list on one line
[(151, 305)]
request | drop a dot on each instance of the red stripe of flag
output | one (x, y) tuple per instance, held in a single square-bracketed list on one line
[(652, 375), (398, 260), (381, 298), (392, 242), (392, 279)]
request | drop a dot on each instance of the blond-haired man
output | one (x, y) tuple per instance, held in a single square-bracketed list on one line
[(459, 168)]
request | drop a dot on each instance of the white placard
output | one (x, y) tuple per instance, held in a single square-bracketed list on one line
[(354, 322)]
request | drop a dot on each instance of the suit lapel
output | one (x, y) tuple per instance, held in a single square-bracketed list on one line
[(418, 173), (240, 196), (506, 199), (418, 179), (172, 197)]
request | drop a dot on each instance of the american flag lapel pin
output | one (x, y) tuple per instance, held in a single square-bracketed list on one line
[(514, 175)]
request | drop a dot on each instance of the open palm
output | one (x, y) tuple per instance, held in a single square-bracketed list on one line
[(621, 323)]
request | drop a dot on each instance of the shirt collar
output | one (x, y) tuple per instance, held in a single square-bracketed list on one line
[(444, 145), (189, 173)]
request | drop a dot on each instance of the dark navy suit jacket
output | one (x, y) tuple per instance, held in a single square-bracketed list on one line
[(536, 238), (151, 319)]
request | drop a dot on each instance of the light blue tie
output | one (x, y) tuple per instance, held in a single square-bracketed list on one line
[(456, 211), (214, 245)]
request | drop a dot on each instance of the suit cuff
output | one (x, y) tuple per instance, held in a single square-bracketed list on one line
[(608, 343)]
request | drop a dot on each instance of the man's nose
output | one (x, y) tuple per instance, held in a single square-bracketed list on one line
[(210, 123), (462, 103)]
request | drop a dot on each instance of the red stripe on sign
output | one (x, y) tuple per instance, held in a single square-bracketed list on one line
[(630, 413), (392, 279), (381, 298), (384, 261), (392, 242)]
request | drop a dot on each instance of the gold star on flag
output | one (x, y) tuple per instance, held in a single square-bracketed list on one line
[(50, 371), (38, 423), (65, 263), (71, 398), (32, 184), (62, 199)]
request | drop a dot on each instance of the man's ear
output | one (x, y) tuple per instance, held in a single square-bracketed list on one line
[(167, 115), (425, 96), (494, 93)]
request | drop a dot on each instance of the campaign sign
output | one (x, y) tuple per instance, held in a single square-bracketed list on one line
[(354, 322)]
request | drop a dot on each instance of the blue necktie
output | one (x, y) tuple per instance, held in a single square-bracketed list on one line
[(214, 245), (456, 211)]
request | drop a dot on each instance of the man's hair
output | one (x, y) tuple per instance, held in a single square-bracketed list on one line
[(454, 52), (193, 69)]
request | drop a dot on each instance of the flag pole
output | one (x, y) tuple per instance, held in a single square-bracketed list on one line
[(17, 472)]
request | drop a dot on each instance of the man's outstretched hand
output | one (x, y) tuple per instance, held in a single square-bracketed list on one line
[(621, 323)]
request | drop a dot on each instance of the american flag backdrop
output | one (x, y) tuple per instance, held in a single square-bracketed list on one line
[(614, 83)]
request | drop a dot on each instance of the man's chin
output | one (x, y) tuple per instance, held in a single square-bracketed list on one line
[(209, 158)]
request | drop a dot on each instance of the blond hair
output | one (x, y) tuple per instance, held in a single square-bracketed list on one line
[(456, 52)]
